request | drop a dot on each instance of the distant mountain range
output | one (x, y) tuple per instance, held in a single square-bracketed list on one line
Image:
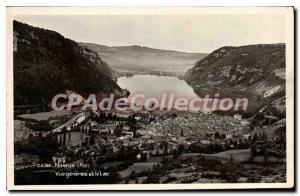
[(144, 60), (254, 71), (46, 63)]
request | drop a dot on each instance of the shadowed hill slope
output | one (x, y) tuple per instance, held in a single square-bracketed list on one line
[(46, 63)]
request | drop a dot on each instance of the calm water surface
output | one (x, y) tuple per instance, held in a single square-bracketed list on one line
[(156, 86)]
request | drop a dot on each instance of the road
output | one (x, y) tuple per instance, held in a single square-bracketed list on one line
[(76, 119)]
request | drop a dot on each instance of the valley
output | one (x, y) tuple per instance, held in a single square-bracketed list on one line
[(141, 60), (146, 146)]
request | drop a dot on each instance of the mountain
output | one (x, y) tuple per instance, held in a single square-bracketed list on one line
[(144, 60), (255, 71), (46, 63)]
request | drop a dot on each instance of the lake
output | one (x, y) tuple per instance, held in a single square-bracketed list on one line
[(152, 86), (156, 86)]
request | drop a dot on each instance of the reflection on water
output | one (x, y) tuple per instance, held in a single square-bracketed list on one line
[(156, 86)]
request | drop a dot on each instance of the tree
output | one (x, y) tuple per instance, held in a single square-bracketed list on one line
[(133, 175), (217, 135), (255, 137), (152, 178), (143, 157), (266, 157), (176, 153), (181, 133), (181, 149), (253, 152), (264, 136)]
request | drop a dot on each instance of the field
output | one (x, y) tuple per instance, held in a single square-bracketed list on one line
[(239, 155), (136, 167), (45, 115)]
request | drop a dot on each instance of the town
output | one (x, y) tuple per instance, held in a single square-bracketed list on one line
[(126, 143)]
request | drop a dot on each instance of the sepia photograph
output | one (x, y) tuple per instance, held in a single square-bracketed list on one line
[(150, 98)]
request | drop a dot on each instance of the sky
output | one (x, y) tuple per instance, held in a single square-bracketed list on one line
[(188, 33)]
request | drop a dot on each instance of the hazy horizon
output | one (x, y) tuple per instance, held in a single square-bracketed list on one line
[(193, 34)]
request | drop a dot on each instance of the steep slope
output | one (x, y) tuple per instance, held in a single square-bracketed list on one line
[(144, 60), (254, 71), (46, 63)]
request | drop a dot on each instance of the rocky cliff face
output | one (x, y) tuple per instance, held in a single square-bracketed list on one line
[(255, 71), (46, 63)]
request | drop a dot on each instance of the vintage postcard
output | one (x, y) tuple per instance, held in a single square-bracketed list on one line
[(140, 98)]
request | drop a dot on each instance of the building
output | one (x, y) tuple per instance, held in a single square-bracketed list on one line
[(245, 123), (59, 158), (206, 142), (237, 116)]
